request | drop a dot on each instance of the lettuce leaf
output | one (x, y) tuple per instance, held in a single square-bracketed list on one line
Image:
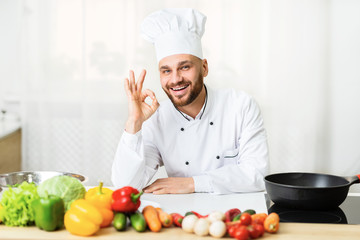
[(16, 203)]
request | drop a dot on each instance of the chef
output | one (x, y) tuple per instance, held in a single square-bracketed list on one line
[(208, 140)]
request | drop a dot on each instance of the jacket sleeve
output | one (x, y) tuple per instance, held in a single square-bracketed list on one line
[(251, 163), (135, 162)]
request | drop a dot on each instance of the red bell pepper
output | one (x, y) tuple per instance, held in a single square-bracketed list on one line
[(126, 199), (230, 214)]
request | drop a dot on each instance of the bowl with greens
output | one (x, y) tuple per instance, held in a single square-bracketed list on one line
[(36, 177)]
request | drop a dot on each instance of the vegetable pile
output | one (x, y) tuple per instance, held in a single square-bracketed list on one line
[(62, 201)]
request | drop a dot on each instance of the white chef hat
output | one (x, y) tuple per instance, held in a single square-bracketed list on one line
[(175, 31)]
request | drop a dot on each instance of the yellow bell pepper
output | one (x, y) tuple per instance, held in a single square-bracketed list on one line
[(1, 207), (101, 198), (82, 218)]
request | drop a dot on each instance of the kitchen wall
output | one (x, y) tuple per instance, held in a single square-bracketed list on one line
[(66, 60)]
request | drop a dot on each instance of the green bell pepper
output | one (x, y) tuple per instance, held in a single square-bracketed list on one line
[(49, 212)]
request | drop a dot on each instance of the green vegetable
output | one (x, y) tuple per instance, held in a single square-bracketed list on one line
[(120, 221), (49, 212), (138, 221), (65, 187), (16, 205)]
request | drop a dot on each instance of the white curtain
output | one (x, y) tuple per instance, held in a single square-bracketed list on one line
[(75, 54)]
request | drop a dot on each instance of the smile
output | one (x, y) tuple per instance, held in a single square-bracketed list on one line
[(179, 88)]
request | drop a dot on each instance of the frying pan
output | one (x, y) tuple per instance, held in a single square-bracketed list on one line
[(308, 190)]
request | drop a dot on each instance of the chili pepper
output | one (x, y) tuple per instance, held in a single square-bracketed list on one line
[(49, 212), (101, 198), (199, 215), (177, 219), (126, 199), (230, 214), (82, 218)]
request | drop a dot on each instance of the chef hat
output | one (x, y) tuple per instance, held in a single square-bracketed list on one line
[(175, 31)]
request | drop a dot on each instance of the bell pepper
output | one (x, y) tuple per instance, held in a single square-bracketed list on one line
[(101, 198), (82, 218), (1, 208), (49, 212), (126, 199), (230, 214)]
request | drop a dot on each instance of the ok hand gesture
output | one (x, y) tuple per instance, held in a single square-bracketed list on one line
[(139, 110)]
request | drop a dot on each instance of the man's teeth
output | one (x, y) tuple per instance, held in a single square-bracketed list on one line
[(177, 89)]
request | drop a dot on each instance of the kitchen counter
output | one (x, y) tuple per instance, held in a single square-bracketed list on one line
[(202, 203), (287, 231)]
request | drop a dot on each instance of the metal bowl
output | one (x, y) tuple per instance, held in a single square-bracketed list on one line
[(37, 177)]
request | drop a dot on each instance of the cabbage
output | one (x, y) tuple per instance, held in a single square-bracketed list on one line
[(65, 187), (16, 203)]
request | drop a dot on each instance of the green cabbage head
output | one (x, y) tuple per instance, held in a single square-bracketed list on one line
[(66, 187)]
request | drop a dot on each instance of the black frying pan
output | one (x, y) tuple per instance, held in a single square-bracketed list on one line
[(308, 190)]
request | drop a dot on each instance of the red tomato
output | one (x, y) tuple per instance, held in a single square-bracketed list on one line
[(231, 230), (260, 228), (241, 233), (245, 219), (255, 230)]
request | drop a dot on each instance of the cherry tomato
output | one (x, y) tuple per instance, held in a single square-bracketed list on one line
[(260, 228), (241, 233), (245, 219), (231, 230), (255, 230)]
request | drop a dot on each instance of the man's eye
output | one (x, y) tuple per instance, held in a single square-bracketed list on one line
[(185, 67), (166, 71)]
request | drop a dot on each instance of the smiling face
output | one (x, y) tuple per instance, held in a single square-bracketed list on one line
[(182, 78)]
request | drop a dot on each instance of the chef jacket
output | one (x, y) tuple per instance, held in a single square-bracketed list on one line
[(224, 149)]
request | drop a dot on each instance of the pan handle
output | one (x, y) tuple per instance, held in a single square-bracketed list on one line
[(353, 179)]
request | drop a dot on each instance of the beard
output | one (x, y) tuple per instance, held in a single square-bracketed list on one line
[(187, 99)]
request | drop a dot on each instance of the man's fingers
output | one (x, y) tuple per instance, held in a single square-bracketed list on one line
[(132, 81), (127, 86), (141, 79)]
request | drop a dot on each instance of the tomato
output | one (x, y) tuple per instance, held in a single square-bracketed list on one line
[(241, 233), (255, 230), (245, 219), (260, 228), (231, 230)]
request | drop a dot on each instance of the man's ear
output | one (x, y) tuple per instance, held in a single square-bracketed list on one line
[(205, 68)]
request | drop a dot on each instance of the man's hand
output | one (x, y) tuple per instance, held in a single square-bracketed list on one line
[(171, 185), (139, 110)]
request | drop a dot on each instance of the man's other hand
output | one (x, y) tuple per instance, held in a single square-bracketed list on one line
[(171, 185)]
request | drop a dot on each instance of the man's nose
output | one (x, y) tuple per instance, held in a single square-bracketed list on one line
[(176, 77)]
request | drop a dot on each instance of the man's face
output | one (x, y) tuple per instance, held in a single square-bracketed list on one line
[(182, 77)]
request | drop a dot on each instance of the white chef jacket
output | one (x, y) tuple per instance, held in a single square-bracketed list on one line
[(224, 148)]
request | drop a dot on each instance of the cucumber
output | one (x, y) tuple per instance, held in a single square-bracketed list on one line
[(120, 221), (250, 211), (138, 222)]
